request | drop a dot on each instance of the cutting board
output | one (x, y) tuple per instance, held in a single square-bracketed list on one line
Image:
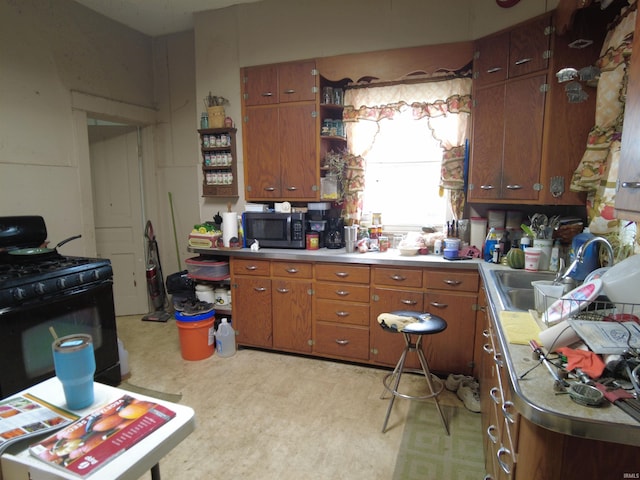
[(519, 327)]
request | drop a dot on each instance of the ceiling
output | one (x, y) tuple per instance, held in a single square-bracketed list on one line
[(156, 17)]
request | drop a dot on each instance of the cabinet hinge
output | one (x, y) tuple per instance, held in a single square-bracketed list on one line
[(474, 103), (314, 89), (314, 72), (310, 291), (310, 342), (315, 188), (547, 54), (245, 96), (476, 75), (245, 119), (476, 54), (538, 187), (549, 30), (248, 188), (314, 114), (544, 88), (245, 79), (375, 298), (476, 307)]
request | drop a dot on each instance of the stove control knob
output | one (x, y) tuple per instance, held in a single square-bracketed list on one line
[(61, 283), (19, 294), (95, 275), (39, 288)]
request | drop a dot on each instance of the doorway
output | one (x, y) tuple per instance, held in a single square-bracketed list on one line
[(118, 208)]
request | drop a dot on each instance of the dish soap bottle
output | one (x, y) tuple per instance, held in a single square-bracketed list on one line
[(490, 244), (225, 339), (589, 256)]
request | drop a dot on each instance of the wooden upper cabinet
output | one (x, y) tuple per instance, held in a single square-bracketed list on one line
[(297, 81), (491, 59), (260, 85), (262, 153), (529, 47)]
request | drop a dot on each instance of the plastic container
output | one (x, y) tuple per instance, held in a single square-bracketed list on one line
[(589, 258), (196, 335), (225, 339), (490, 245), (205, 293), (203, 269), (554, 261), (478, 232)]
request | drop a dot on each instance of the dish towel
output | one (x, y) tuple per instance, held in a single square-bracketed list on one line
[(587, 361), (397, 322)]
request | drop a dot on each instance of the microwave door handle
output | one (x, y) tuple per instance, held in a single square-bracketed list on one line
[(289, 229)]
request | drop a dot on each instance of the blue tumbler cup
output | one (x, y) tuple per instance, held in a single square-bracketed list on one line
[(75, 365)]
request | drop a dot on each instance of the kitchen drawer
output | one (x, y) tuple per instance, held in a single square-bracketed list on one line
[(452, 280), (335, 272), (343, 292), (342, 341), (248, 266), (291, 269), (342, 312), (398, 277)]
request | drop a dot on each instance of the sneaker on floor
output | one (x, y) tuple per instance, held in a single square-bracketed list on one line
[(453, 381), (469, 393)]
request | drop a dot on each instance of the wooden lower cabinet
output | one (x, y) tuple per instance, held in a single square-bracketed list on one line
[(291, 309), (252, 311)]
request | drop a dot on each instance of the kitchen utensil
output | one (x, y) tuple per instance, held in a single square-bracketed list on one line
[(559, 383), (41, 251), (584, 394), (622, 399)]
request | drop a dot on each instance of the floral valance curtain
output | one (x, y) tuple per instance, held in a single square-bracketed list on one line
[(447, 106)]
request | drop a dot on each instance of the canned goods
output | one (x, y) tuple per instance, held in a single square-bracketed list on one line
[(383, 243), (313, 241)]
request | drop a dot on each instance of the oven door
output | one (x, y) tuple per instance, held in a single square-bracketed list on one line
[(26, 336)]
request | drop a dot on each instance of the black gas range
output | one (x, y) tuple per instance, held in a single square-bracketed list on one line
[(44, 292)]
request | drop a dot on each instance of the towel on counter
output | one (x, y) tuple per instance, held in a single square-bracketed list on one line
[(398, 322), (519, 327), (587, 361)]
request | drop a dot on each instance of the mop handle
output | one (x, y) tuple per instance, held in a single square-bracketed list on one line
[(175, 235)]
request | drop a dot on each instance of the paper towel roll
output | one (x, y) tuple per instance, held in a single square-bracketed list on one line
[(560, 335), (229, 227)]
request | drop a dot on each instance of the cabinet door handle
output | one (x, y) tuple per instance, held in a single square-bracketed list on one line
[(342, 293), (408, 302), (506, 468), (269, 189), (438, 304), (342, 274), (630, 184), (453, 283), (490, 433), (498, 359), (514, 187), (505, 411), (487, 348), (342, 313), (260, 289), (522, 61), (398, 278), (342, 342), (282, 290), (493, 393), (267, 94), (251, 268), (494, 70), (487, 187), (292, 270)]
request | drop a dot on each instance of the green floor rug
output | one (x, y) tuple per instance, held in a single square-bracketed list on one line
[(428, 453)]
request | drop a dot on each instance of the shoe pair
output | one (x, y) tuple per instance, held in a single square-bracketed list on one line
[(454, 380), (469, 393)]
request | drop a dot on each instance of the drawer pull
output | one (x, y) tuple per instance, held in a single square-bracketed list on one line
[(514, 187), (282, 290), (251, 268), (493, 393), (342, 274), (289, 91), (260, 289), (508, 415), (292, 189), (453, 283), (398, 278), (490, 433), (485, 333), (342, 342), (487, 348), (498, 359), (342, 293), (292, 270), (267, 94), (506, 468), (342, 313), (494, 70), (408, 302), (487, 187), (438, 304), (630, 184), (270, 189), (522, 61)]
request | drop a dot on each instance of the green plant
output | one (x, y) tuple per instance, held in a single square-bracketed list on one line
[(215, 101), (336, 165)]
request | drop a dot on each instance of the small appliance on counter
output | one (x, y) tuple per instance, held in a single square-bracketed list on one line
[(274, 230), (335, 233)]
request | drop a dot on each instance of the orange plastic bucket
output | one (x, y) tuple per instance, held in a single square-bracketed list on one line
[(196, 335)]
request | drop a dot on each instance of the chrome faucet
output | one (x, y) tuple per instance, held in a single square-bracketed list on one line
[(580, 255)]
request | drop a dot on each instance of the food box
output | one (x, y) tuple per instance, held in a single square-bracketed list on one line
[(204, 240), (207, 269)]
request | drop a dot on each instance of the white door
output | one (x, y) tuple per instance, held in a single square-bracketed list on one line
[(117, 200)]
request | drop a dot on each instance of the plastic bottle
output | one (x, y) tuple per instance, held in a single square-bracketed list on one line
[(225, 339), (589, 257), (505, 243), (554, 261), (124, 359), (525, 242), (490, 244)]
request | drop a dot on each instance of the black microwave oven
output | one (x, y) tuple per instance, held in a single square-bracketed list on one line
[(274, 230)]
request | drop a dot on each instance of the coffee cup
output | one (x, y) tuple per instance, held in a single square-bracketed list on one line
[(532, 259), (75, 364)]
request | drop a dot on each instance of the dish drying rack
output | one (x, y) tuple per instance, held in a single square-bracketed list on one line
[(596, 310)]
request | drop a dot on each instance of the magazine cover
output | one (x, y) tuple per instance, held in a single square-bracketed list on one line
[(26, 416), (95, 439)]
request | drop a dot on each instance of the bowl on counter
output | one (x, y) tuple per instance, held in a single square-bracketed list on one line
[(408, 251)]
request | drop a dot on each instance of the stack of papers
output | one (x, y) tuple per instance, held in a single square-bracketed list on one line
[(607, 337)]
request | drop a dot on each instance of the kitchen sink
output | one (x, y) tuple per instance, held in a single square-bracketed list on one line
[(515, 289)]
